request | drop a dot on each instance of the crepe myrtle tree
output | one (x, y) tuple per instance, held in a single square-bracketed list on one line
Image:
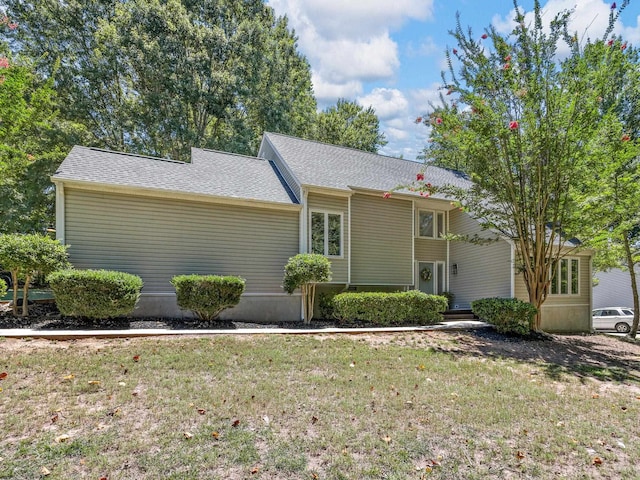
[(517, 115), (305, 271), (24, 256)]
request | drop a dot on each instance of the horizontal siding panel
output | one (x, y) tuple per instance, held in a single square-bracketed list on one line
[(382, 241), (159, 238), (483, 270), (339, 266), (430, 249)]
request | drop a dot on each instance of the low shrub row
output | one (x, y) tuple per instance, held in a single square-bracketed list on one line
[(389, 308), (207, 295), (507, 315)]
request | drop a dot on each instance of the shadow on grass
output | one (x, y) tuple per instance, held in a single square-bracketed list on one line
[(598, 357)]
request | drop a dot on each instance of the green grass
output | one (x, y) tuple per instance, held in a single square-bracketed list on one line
[(299, 407)]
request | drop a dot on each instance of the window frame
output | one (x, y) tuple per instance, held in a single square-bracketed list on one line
[(439, 223), (557, 277), (325, 229)]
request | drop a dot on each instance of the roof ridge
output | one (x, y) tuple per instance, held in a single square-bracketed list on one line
[(212, 150), (115, 152)]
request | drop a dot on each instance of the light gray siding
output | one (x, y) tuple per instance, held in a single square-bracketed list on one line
[(482, 270), (381, 244), (613, 289), (318, 202), (158, 238), (267, 151), (430, 249)]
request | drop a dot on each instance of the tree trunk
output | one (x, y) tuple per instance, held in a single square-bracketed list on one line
[(634, 285), (14, 280), (25, 296)]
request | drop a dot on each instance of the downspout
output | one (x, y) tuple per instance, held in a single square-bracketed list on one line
[(348, 243), (414, 265), (303, 243), (60, 208), (448, 265)]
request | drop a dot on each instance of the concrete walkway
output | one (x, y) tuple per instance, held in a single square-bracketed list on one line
[(150, 332)]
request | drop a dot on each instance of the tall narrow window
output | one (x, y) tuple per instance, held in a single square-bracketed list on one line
[(326, 233), (442, 284), (565, 277), (574, 276), (426, 223), (441, 226), (431, 224)]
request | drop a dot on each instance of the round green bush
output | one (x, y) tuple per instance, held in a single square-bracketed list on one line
[(95, 293), (207, 295)]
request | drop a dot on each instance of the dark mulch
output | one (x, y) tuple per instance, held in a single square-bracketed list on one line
[(45, 316)]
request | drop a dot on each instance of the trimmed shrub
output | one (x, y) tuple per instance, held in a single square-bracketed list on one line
[(304, 271), (207, 295), (3, 288), (507, 315), (389, 308), (95, 293)]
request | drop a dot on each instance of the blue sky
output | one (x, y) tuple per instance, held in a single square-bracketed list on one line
[(390, 53)]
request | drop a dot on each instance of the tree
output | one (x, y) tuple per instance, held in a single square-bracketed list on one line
[(349, 125), (304, 271), (520, 121), (612, 196), (158, 77), (33, 141), (24, 255)]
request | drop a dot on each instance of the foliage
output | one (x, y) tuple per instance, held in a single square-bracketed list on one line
[(33, 141), (508, 315), (612, 196), (95, 294), (325, 305), (3, 288), (207, 295), (519, 123), (26, 255), (304, 271), (449, 296), (158, 77), (350, 125), (389, 308)]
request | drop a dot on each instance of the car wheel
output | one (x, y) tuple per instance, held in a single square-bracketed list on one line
[(623, 327)]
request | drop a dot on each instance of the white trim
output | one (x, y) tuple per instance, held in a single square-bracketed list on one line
[(326, 214), (413, 239), (448, 260), (565, 305), (60, 210), (349, 240), (335, 192), (569, 259), (303, 222)]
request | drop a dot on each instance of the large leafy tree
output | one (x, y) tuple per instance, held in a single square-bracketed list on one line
[(519, 122), (160, 76), (33, 141), (350, 125), (612, 195)]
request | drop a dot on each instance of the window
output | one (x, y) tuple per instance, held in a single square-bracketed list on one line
[(431, 224), (326, 233), (565, 277)]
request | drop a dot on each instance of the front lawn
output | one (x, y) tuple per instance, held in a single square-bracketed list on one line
[(395, 406)]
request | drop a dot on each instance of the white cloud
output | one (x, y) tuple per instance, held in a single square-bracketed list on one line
[(349, 42), (387, 102)]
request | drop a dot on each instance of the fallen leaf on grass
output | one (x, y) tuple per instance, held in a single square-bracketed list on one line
[(266, 420), (595, 395), (66, 378), (188, 435), (386, 440), (255, 470), (136, 358), (235, 423), (122, 384), (54, 418), (215, 435), (61, 438), (94, 382), (597, 461), (420, 367), (314, 420), (520, 455), (202, 411), (3, 375), (44, 471)]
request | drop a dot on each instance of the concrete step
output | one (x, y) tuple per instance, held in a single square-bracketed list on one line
[(450, 315)]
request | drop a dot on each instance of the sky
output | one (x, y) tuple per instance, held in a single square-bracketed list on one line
[(389, 54)]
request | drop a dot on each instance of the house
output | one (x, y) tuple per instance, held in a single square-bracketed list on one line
[(613, 288), (236, 215)]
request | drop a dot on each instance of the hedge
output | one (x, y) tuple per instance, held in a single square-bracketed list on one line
[(207, 295), (95, 293), (3, 288), (507, 315), (389, 308)]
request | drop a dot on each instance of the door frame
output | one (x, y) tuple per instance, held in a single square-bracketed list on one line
[(436, 279)]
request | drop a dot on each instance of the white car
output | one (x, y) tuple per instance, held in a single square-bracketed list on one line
[(619, 319)]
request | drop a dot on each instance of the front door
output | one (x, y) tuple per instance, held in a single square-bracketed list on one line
[(427, 277)]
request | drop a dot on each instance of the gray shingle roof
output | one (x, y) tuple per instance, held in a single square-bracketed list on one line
[(210, 173), (323, 165)]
